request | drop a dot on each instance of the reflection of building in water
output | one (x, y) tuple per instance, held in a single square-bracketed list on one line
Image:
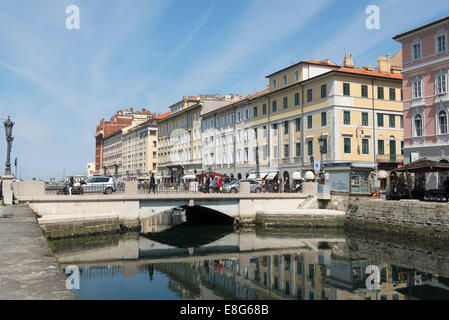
[(97, 272)]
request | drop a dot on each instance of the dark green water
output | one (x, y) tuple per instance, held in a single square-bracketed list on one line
[(216, 262)]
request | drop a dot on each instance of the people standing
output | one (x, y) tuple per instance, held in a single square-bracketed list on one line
[(286, 185), (153, 183), (220, 184), (207, 184)]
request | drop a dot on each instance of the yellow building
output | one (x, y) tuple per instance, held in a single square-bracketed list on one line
[(139, 149), (358, 112), (179, 136)]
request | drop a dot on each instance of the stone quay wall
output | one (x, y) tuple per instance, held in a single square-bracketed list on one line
[(423, 219)]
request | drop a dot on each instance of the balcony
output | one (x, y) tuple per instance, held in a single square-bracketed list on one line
[(286, 161), (397, 158)]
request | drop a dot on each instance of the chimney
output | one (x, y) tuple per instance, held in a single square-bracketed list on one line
[(368, 67), (384, 64), (348, 62)]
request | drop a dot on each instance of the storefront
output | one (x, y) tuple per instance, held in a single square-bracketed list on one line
[(351, 178)]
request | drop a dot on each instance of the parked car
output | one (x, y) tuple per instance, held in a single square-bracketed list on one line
[(105, 185), (234, 186)]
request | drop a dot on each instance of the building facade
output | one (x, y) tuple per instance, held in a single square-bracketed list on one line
[(276, 132), (179, 136), (426, 99), (139, 150), (120, 120)]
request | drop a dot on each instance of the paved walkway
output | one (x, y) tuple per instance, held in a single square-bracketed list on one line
[(28, 269)]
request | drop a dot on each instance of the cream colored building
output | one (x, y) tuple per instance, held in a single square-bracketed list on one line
[(139, 149), (358, 112), (180, 137)]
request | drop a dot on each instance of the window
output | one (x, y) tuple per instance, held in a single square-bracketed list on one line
[(346, 117), (443, 122), (275, 129), (264, 131), (417, 88), (285, 127), (416, 51), (401, 121), (298, 149), (364, 91), (418, 126), (246, 114), (364, 118), (309, 95), (255, 112), (365, 146), (310, 147), (392, 121), (264, 108), (239, 116), (441, 44), (298, 124), (441, 82), (296, 75), (381, 147), (323, 119), (309, 122), (380, 120), (296, 99), (402, 148), (380, 93), (285, 79), (347, 145), (285, 102), (275, 105), (323, 91), (274, 84), (346, 90), (392, 94), (286, 151), (264, 152)]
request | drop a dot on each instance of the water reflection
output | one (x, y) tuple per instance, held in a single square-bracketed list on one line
[(200, 263)]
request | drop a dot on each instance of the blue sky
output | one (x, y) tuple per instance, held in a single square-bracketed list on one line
[(57, 83)]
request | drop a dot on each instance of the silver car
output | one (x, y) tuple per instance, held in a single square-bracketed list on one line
[(105, 185), (234, 186)]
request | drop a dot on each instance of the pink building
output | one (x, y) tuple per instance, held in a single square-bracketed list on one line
[(425, 94)]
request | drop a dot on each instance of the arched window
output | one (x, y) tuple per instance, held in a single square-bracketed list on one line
[(443, 122), (418, 125)]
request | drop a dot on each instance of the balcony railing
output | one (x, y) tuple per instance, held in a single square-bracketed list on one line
[(390, 158)]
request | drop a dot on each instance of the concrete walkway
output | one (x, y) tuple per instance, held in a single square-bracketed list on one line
[(28, 269)]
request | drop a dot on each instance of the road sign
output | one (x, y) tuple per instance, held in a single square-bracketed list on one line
[(316, 166)]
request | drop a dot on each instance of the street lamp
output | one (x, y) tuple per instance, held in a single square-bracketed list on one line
[(9, 138), (321, 141)]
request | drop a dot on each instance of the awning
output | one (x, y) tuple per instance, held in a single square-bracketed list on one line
[(272, 175), (297, 175), (383, 174), (189, 177), (252, 176)]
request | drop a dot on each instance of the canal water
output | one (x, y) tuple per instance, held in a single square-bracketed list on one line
[(218, 262)]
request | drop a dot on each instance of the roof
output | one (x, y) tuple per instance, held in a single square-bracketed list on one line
[(162, 116), (325, 62), (420, 28), (243, 99), (371, 73)]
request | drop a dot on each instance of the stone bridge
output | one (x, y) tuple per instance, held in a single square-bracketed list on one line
[(242, 207)]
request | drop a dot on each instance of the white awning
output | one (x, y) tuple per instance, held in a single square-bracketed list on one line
[(271, 175), (383, 174), (252, 176), (189, 177), (297, 175)]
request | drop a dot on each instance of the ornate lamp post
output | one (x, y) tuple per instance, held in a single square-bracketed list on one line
[(321, 140), (9, 138)]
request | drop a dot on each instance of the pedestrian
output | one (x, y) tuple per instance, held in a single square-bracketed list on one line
[(153, 184), (264, 185), (207, 184), (220, 184), (286, 185), (446, 188)]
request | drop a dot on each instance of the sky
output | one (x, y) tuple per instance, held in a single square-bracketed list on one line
[(57, 83)]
